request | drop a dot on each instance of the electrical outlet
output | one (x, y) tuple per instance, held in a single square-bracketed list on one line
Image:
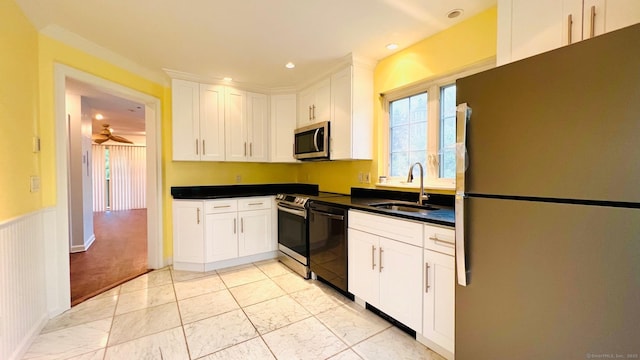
[(238, 179), (34, 183), (367, 178)]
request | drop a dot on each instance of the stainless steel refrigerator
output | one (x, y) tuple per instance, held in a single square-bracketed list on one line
[(548, 205)]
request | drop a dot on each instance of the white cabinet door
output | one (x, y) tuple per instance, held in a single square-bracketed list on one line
[(400, 267), (185, 97), (315, 103), (188, 231), (306, 99), (362, 251), (257, 127), (283, 124), (255, 232), (537, 26), (212, 122), (439, 300), (222, 236), (322, 102), (340, 147), (235, 125), (609, 15)]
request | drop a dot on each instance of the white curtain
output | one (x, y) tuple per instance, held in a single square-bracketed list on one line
[(98, 177), (128, 177)]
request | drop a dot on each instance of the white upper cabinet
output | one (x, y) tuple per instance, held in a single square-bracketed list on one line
[(212, 122), (246, 124), (351, 113), (198, 121), (235, 119), (527, 28), (283, 124), (258, 127), (315, 103), (186, 120)]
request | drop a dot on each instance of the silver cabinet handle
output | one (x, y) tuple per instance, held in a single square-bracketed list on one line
[(242, 225), (221, 206), (234, 226), (569, 28), (253, 204), (196, 146), (203, 151), (251, 149), (309, 112), (245, 149), (380, 258), (373, 261), (314, 112), (198, 215), (435, 238), (426, 276), (592, 22)]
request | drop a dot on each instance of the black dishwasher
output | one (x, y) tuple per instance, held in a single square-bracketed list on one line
[(328, 244)]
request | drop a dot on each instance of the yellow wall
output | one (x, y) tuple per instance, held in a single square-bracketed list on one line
[(173, 173), (467, 43), (18, 112)]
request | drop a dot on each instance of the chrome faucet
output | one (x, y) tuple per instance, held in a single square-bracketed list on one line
[(422, 196)]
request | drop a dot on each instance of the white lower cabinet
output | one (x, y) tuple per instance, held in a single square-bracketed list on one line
[(438, 323), (188, 231), (439, 301), (386, 272), (211, 234), (222, 231)]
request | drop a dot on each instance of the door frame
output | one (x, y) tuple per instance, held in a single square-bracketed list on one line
[(59, 260)]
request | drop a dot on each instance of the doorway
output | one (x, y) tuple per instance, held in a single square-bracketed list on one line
[(107, 160), (58, 274)]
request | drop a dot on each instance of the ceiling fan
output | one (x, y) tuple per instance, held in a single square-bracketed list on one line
[(107, 134)]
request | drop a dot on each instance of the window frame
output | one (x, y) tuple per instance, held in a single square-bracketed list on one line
[(432, 87)]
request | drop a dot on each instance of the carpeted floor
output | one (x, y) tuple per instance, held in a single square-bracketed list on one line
[(118, 254)]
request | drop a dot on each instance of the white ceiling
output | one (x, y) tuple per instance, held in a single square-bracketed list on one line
[(125, 117), (248, 40)]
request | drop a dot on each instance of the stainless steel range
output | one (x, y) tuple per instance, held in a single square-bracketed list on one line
[(293, 232)]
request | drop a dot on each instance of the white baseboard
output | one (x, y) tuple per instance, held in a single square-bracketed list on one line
[(203, 267), (26, 342)]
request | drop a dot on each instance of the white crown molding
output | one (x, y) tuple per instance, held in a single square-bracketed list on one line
[(72, 39)]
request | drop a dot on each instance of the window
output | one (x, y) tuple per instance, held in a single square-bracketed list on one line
[(422, 128)]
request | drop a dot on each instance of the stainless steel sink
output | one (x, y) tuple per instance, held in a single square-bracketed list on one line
[(405, 207)]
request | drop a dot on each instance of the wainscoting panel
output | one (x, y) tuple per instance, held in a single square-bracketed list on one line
[(23, 308)]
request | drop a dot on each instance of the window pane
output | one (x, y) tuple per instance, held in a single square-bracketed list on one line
[(447, 154), (407, 133)]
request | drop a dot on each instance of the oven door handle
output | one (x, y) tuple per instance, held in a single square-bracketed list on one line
[(301, 213), (330, 216)]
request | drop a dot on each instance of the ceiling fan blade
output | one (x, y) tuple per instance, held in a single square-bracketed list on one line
[(120, 139), (100, 140)]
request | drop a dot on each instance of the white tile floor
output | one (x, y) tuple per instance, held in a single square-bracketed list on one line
[(258, 311)]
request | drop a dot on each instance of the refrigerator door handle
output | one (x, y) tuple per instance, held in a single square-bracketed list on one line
[(463, 114)]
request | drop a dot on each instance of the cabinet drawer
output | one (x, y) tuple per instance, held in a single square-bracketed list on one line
[(439, 239), (393, 228), (256, 203), (220, 206)]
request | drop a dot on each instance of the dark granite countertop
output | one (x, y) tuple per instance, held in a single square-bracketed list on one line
[(360, 198), (226, 191)]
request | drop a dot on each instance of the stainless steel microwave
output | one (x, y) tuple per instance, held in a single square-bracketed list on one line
[(312, 142)]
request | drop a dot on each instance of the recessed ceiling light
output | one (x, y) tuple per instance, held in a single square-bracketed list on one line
[(454, 13), (99, 117), (392, 46), (227, 79), (290, 65)]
